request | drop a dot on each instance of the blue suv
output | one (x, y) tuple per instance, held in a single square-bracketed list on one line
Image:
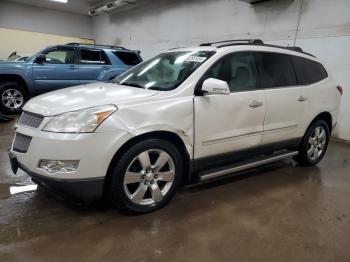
[(58, 67)]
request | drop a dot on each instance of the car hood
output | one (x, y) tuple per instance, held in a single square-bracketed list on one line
[(11, 64), (84, 96)]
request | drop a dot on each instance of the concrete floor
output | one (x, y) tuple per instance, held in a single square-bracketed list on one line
[(280, 212)]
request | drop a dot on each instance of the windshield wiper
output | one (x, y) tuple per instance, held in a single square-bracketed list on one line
[(132, 84)]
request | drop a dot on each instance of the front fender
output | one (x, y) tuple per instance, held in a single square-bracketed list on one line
[(23, 70), (173, 115)]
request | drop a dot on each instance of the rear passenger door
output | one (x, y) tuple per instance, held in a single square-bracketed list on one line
[(312, 75), (285, 100), (94, 65)]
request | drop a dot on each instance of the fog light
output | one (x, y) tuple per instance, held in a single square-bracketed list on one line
[(63, 166)]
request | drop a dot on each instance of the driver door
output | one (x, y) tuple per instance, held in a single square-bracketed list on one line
[(234, 122), (58, 71)]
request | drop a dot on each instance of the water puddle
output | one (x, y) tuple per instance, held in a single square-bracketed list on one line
[(6, 191), (14, 190)]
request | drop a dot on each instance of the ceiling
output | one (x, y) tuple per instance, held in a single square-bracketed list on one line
[(73, 6)]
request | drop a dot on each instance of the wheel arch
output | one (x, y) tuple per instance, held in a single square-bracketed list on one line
[(327, 117), (14, 78), (171, 137)]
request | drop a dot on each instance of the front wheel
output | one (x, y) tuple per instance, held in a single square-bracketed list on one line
[(12, 97), (146, 176), (314, 144)]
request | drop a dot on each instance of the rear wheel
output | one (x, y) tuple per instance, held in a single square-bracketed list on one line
[(146, 176), (12, 97), (314, 144)]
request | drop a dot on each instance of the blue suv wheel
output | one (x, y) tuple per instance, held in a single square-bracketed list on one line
[(12, 97)]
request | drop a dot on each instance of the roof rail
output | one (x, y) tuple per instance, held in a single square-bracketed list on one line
[(295, 48), (179, 47), (292, 48), (257, 42), (106, 46), (248, 41)]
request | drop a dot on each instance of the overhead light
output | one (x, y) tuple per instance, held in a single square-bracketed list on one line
[(111, 6), (92, 13), (60, 1), (253, 1)]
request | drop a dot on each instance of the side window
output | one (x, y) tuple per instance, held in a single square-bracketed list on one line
[(93, 57), (308, 71), (128, 58), (60, 56), (276, 71), (238, 70)]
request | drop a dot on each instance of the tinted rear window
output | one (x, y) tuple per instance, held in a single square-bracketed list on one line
[(308, 71), (128, 58), (276, 71)]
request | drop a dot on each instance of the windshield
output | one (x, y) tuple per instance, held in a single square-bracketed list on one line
[(165, 71)]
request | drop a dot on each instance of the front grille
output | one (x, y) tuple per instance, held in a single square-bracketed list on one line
[(30, 119), (21, 143)]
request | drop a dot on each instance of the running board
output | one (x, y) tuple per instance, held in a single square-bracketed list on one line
[(233, 168)]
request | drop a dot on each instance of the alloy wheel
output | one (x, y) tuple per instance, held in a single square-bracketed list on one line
[(317, 143), (12, 98), (149, 177)]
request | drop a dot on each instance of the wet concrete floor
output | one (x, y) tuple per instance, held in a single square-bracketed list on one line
[(280, 212)]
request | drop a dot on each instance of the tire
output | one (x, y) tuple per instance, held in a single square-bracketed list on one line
[(12, 97), (137, 185), (314, 144)]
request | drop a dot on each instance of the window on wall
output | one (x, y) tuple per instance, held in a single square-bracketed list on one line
[(238, 70), (128, 58), (308, 71), (60, 56), (93, 57), (276, 71)]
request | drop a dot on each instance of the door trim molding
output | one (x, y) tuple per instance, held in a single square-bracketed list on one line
[(232, 138), (280, 129), (227, 139)]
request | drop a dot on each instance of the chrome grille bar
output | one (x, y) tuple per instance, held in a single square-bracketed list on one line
[(30, 120)]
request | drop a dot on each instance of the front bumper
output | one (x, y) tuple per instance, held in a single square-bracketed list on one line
[(94, 152), (81, 190)]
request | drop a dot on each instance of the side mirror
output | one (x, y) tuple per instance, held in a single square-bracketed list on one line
[(213, 86), (40, 59)]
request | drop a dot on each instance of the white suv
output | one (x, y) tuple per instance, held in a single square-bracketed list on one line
[(187, 115)]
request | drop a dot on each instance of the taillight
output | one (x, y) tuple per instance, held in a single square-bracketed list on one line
[(340, 89)]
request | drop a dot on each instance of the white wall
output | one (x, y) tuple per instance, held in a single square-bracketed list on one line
[(155, 26), (25, 17)]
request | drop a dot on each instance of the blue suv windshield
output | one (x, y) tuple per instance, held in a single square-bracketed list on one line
[(164, 72)]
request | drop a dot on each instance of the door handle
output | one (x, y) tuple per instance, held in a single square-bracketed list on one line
[(105, 68), (302, 98), (72, 68), (255, 104)]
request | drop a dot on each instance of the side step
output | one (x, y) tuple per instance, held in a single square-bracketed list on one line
[(258, 161)]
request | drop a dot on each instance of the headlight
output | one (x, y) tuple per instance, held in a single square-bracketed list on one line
[(80, 121)]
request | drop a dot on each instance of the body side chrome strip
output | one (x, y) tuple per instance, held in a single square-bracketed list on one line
[(226, 139)]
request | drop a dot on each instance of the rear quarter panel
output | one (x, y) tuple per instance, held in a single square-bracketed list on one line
[(322, 96)]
